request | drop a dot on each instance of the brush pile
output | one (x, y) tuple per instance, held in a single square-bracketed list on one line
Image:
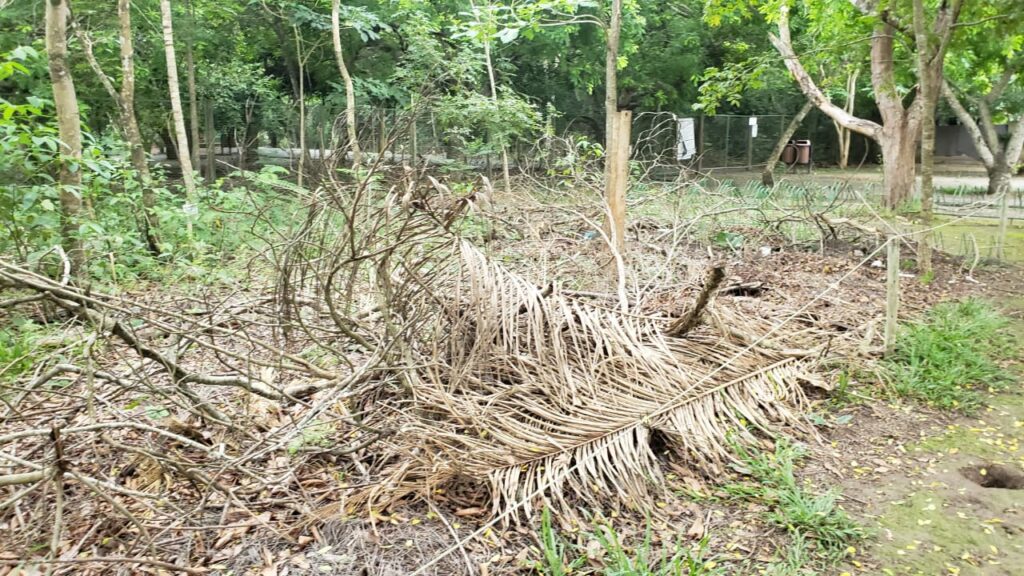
[(536, 391), (389, 360)]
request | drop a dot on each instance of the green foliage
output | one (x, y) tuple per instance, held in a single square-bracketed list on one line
[(554, 562), (21, 348), (642, 561), (15, 353), (806, 516), (484, 124), (30, 159), (615, 558), (949, 357)]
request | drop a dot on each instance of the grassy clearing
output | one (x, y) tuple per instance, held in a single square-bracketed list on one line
[(821, 531), (19, 347), (951, 356), (608, 554)]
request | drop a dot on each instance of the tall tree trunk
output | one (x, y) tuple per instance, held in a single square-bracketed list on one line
[(69, 128), (125, 100), (929, 90), (1000, 177), (769, 166), (899, 157), (211, 149), (184, 158), (193, 103), (900, 126), (302, 107), (931, 54), (494, 98), (131, 123), (350, 92), (614, 190)]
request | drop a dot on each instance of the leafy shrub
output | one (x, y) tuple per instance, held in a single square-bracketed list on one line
[(946, 359)]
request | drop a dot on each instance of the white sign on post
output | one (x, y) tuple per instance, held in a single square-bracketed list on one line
[(752, 121), (686, 141)]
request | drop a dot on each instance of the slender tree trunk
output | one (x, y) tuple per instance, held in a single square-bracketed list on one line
[(302, 107), (173, 87), (929, 91), (932, 41), (211, 149), (488, 61), (614, 189), (843, 134), (125, 100), (193, 103), (131, 127), (769, 166), (69, 128), (350, 92)]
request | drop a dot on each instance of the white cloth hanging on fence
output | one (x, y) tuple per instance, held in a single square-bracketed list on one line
[(686, 141)]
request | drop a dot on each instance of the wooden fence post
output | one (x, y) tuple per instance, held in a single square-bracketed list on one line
[(1004, 217), (892, 292), (618, 179)]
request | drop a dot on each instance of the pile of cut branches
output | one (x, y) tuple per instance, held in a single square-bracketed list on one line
[(536, 390), (388, 352)]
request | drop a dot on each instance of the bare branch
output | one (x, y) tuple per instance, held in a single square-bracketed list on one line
[(784, 44)]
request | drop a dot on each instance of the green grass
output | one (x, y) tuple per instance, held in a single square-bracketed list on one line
[(821, 531), (951, 356), (15, 353), (554, 562), (642, 561), (616, 558)]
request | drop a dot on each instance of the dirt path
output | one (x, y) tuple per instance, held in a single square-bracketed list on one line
[(924, 499)]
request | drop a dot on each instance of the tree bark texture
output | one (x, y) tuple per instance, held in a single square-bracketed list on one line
[(69, 128), (350, 92), (125, 101), (184, 157), (193, 103), (614, 186)]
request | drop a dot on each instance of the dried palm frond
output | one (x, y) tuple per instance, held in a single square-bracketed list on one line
[(537, 391)]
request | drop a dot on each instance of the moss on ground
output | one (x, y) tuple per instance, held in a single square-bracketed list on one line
[(943, 523), (936, 531)]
